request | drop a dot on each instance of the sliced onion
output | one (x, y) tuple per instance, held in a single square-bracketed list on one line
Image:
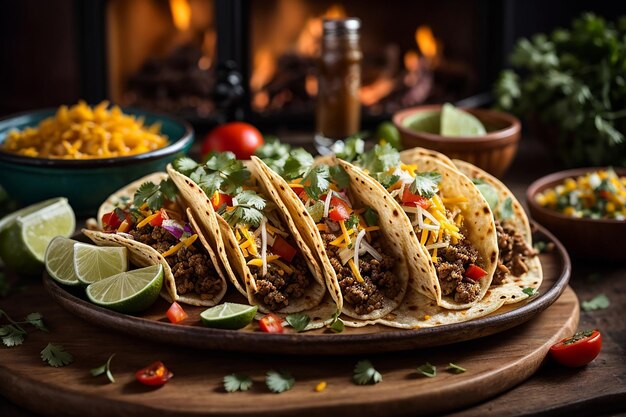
[(357, 245), (431, 217), (345, 255), (430, 227), (173, 227), (263, 247), (329, 195), (369, 248), (438, 245)]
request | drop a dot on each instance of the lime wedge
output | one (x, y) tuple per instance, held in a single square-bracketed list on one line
[(424, 121), (59, 261), (128, 292), (229, 315), (25, 234), (456, 122), (94, 263)]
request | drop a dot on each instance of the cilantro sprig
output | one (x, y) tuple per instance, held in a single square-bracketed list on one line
[(381, 158), (298, 321), (274, 153), (279, 381), (365, 373), (337, 324), (237, 382), (427, 370), (56, 355), (455, 369), (155, 195), (104, 369), (221, 171), (247, 208), (426, 184), (13, 334), (599, 302)]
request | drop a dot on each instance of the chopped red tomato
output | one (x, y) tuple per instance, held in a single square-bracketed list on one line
[(283, 249), (155, 374), (475, 272), (175, 313), (271, 323), (219, 199), (408, 198), (579, 349), (110, 221), (340, 211), (158, 220)]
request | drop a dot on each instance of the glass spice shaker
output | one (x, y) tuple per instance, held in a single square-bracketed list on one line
[(338, 112)]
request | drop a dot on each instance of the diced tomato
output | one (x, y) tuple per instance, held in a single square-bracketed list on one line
[(110, 221), (175, 313), (475, 272), (283, 249), (219, 199), (155, 374), (271, 323), (340, 210), (408, 198), (579, 349), (158, 220)]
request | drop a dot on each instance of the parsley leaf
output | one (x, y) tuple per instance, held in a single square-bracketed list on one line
[(155, 195), (237, 382), (387, 179), (104, 369), (274, 153), (352, 221), (298, 321), (381, 158), (221, 171), (56, 355), (371, 217), (337, 325), (316, 181), (248, 207), (279, 381), (36, 319), (340, 176), (12, 335), (427, 370), (349, 149), (365, 373), (185, 165), (506, 209), (455, 369), (298, 164), (599, 302), (426, 184), (529, 291)]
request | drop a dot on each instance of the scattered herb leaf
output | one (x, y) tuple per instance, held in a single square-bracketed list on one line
[(336, 325), (316, 211), (279, 381), (298, 321), (298, 164), (426, 184), (339, 176), (104, 369), (599, 302), (237, 382), (529, 291), (386, 179), (365, 373), (351, 148), (36, 319), (248, 207), (56, 355), (371, 217), (352, 221), (540, 246), (455, 369), (12, 335), (274, 153), (316, 181), (381, 158), (155, 195), (427, 370)]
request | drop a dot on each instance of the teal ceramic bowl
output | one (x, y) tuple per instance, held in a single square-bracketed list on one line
[(86, 183)]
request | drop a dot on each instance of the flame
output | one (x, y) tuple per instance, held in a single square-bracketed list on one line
[(411, 61), (372, 93), (426, 42), (309, 39), (310, 85), (264, 68), (181, 14), (336, 11)]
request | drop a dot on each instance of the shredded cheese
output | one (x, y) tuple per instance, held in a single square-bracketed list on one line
[(355, 271), (173, 249), (123, 227), (259, 262), (263, 247), (189, 241), (454, 200), (252, 246), (344, 232), (148, 220), (322, 227)]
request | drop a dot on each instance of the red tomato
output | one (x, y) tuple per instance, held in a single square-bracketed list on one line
[(340, 211), (158, 220), (408, 198), (283, 249), (110, 221), (155, 374), (220, 199), (579, 349), (175, 313), (240, 138), (271, 323), (475, 272)]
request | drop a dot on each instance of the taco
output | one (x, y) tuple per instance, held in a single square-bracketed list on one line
[(255, 237), (362, 258), (147, 219)]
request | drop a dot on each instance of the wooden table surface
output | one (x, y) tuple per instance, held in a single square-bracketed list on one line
[(599, 388)]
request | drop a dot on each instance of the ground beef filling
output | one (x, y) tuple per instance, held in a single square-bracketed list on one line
[(451, 264), (191, 266), (513, 251), (380, 281), (277, 287)]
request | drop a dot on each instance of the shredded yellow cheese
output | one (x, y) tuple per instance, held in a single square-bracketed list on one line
[(259, 262), (454, 200), (355, 271), (344, 231), (252, 245), (123, 227), (322, 227), (372, 228), (148, 220), (320, 387), (173, 249), (189, 241)]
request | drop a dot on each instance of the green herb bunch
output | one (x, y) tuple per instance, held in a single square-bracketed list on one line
[(573, 80)]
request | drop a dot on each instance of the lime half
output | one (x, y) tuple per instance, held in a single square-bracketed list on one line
[(456, 122), (60, 260), (25, 234), (94, 263), (128, 292), (228, 315)]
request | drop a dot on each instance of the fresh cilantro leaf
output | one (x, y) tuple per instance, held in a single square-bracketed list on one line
[(352, 221), (316, 181), (340, 176), (506, 209), (104, 369), (209, 183), (316, 211), (298, 164), (36, 319), (56, 355), (237, 382), (371, 217), (279, 381), (489, 193), (224, 162), (251, 199), (529, 291), (599, 302), (426, 184), (274, 153), (455, 369), (12, 335), (185, 165), (247, 209), (365, 373), (349, 149), (337, 325), (148, 192), (168, 188), (387, 179), (381, 158), (427, 370), (298, 321)]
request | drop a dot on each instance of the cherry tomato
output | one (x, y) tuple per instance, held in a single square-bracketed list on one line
[(155, 374), (158, 220), (271, 323), (408, 198), (579, 349), (110, 221), (283, 249), (475, 272), (240, 138), (340, 211), (175, 313), (219, 199)]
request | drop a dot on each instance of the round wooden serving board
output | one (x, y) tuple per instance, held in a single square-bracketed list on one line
[(494, 364)]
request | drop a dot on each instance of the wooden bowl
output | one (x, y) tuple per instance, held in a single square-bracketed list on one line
[(583, 237), (492, 152)]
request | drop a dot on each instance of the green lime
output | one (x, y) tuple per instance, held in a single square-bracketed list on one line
[(388, 132), (128, 292), (94, 263), (24, 235), (228, 315), (456, 122), (60, 261), (424, 121)]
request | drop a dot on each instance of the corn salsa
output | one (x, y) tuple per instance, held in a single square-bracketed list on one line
[(596, 195), (83, 132)]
